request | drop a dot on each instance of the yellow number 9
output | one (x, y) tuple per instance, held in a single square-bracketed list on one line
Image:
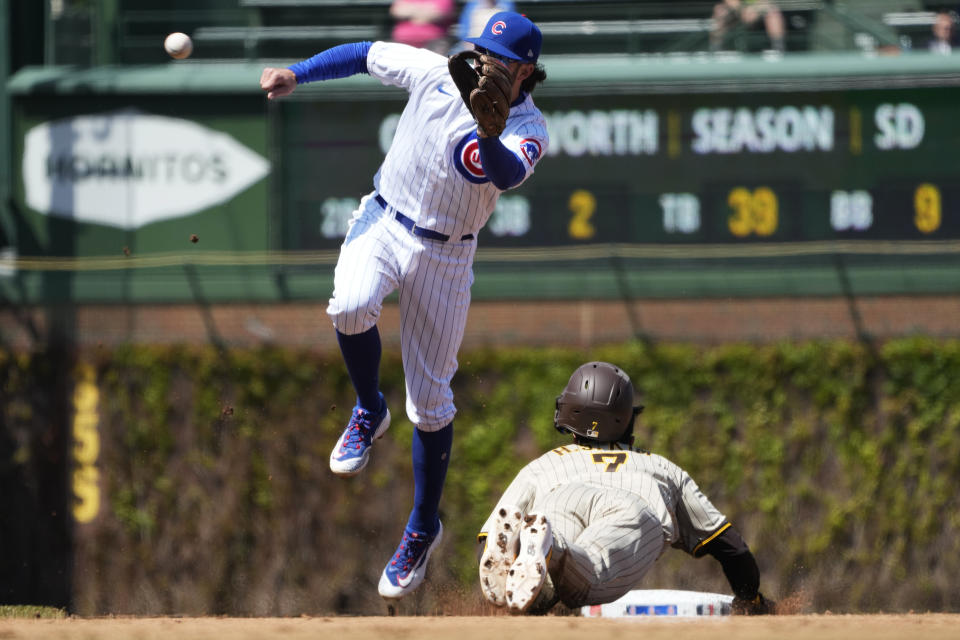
[(582, 204), (926, 204), (764, 211)]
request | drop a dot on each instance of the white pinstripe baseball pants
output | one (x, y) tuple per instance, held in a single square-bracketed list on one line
[(379, 256), (607, 538)]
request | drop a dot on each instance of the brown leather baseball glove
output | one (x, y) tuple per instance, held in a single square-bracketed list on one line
[(485, 85)]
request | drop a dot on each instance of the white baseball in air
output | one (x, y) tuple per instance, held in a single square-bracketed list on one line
[(178, 45)]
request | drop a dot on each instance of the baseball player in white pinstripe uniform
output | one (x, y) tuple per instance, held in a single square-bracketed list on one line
[(583, 524), (416, 232)]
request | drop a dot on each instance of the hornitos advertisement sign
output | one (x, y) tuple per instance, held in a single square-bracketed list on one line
[(127, 168)]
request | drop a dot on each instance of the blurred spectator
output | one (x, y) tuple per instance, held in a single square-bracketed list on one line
[(944, 32), (423, 23), (474, 16), (729, 14)]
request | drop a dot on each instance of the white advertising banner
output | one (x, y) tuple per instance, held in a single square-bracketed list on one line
[(127, 168)]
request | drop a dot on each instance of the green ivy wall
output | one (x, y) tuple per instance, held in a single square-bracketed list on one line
[(838, 461)]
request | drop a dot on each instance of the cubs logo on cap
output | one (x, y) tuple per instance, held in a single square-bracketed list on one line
[(510, 35)]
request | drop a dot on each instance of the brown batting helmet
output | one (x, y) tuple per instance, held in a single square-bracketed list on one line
[(597, 404)]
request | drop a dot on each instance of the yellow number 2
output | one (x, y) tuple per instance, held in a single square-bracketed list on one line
[(583, 205)]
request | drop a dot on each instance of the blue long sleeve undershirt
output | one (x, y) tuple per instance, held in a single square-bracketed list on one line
[(501, 165), (337, 62)]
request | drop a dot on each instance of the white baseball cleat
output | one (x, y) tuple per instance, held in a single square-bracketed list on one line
[(352, 451), (499, 552), (408, 567), (527, 574)]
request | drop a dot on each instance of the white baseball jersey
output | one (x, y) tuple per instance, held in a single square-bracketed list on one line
[(432, 171), (613, 511), (433, 177)]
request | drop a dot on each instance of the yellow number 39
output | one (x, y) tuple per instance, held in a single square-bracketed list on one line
[(753, 212)]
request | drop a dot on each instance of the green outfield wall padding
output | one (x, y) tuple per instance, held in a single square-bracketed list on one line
[(666, 175)]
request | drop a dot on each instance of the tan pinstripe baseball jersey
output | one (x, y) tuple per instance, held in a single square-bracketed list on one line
[(614, 511)]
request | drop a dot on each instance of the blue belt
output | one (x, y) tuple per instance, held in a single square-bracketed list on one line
[(413, 228)]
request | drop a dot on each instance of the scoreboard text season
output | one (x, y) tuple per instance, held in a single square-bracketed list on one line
[(790, 166)]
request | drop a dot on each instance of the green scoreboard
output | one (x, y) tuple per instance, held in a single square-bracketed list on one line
[(786, 161), (781, 167), (665, 176)]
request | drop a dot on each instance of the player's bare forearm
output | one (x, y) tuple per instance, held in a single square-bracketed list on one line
[(277, 82)]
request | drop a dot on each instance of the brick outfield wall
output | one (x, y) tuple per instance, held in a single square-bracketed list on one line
[(576, 323)]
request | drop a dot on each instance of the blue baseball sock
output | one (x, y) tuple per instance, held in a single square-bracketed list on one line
[(361, 354), (431, 455)]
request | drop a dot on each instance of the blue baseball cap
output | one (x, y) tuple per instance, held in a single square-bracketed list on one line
[(511, 35)]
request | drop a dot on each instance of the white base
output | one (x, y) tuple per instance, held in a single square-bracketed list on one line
[(662, 603)]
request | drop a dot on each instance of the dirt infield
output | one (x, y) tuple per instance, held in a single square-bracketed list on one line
[(813, 627)]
